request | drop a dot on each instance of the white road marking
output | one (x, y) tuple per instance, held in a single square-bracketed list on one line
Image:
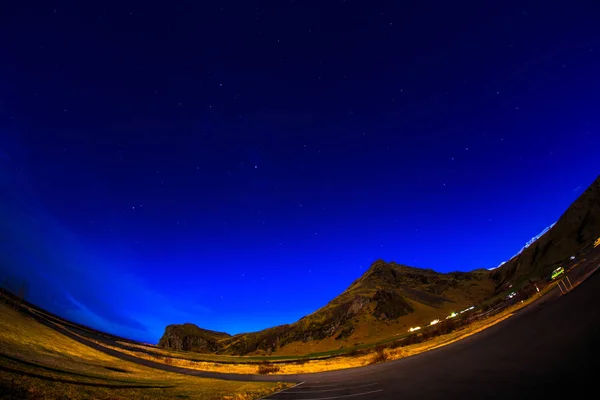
[(346, 395), (334, 383), (283, 390), (337, 384), (332, 390)]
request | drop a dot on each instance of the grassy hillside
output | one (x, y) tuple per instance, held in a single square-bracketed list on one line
[(576, 229), (384, 302), (37, 362)]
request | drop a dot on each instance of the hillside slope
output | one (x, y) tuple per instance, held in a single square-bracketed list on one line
[(577, 228), (386, 300)]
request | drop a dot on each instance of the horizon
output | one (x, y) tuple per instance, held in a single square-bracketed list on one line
[(528, 243), (242, 171), (246, 332)]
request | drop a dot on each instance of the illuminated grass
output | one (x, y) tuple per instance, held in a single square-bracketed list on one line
[(39, 363)]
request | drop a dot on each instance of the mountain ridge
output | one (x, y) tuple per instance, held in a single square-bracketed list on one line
[(576, 229), (385, 294), (390, 297)]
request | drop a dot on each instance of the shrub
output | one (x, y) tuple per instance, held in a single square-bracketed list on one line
[(381, 354), (446, 327), (354, 353), (413, 339), (267, 368), (428, 334)]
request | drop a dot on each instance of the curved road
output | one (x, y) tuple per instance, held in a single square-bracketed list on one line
[(549, 348)]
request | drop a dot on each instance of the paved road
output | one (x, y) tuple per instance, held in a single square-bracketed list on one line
[(550, 348)]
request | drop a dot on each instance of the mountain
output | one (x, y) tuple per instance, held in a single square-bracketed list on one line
[(189, 337), (529, 243), (387, 299), (576, 229)]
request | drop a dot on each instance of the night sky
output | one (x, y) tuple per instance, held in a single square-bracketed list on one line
[(237, 164)]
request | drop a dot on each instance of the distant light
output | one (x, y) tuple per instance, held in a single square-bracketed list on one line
[(572, 257), (416, 328), (435, 321), (452, 315)]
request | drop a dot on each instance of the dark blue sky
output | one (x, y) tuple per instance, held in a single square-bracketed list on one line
[(237, 164)]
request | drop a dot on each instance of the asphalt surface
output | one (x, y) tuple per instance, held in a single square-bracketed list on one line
[(549, 348)]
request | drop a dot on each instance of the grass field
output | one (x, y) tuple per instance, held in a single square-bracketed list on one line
[(38, 363)]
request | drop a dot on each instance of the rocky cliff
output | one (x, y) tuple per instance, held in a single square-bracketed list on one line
[(189, 337)]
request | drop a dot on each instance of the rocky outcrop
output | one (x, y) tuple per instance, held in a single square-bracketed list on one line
[(189, 337), (390, 305)]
